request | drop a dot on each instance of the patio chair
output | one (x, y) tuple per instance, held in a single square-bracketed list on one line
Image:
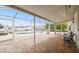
[(68, 38)]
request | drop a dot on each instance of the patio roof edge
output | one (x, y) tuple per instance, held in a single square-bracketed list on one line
[(21, 9)]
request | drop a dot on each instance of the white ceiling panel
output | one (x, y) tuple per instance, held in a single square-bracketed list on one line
[(56, 13)]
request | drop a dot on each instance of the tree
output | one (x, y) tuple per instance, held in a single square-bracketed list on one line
[(1, 26), (64, 26), (58, 26), (47, 25), (51, 26)]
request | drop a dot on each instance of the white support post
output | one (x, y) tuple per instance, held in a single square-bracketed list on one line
[(48, 29), (55, 27), (34, 36), (72, 25), (61, 27), (14, 25)]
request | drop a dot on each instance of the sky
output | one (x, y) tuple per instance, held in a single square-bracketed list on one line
[(27, 19)]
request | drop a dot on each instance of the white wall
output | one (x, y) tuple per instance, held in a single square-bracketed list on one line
[(75, 29)]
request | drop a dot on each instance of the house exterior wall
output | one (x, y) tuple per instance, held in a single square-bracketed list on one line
[(75, 27)]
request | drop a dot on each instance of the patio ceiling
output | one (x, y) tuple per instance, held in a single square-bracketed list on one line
[(56, 13)]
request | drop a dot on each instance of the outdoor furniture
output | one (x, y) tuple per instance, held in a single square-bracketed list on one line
[(68, 38)]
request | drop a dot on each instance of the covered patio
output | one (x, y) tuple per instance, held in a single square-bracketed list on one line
[(33, 35)]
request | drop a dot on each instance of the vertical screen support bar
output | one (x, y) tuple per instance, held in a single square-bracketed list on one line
[(14, 25), (61, 27), (49, 28), (34, 35), (55, 25)]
